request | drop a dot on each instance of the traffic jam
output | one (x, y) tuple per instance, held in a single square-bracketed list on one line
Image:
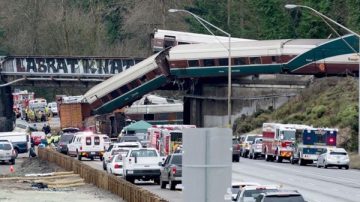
[(143, 152), (156, 155)]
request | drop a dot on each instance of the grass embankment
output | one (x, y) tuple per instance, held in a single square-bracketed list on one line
[(327, 102)]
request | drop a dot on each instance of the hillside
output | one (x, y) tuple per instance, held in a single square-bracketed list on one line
[(327, 102)]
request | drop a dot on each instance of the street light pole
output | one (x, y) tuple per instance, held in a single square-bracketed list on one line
[(323, 17), (202, 21)]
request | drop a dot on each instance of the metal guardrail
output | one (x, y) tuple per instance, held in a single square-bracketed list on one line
[(118, 186)]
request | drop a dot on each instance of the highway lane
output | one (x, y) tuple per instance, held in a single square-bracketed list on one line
[(173, 196), (316, 184)]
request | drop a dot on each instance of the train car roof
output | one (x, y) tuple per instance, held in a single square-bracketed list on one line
[(245, 48), (112, 83), (194, 37)]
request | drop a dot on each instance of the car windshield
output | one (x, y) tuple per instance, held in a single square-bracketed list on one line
[(129, 139), (5, 146), (338, 153), (66, 138), (257, 192), (251, 138), (119, 151), (177, 160), (289, 135), (143, 153), (285, 198)]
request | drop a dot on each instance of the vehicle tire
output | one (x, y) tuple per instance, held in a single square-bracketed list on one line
[(301, 162), (104, 165), (346, 167), (130, 179), (157, 180), (92, 158), (172, 185), (278, 159), (79, 156), (12, 162), (254, 156), (325, 166), (101, 158), (340, 167), (16, 152), (237, 158), (267, 157), (162, 184)]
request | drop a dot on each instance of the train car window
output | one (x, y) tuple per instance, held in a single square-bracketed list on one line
[(134, 84), (105, 99), (193, 63), (124, 89), (182, 43), (273, 59), (115, 94), (149, 116), (209, 62), (143, 79), (240, 61), (223, 61), (255, 60)]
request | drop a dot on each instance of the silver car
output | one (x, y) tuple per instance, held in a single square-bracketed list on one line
[(256, 148), (7, 152), (336, 157)]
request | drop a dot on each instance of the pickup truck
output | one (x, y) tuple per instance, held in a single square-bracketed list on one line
[(171, 171), (142, 164)]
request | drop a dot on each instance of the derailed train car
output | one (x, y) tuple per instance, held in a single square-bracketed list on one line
[(291, 56)]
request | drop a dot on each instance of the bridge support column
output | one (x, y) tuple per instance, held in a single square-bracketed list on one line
[(7, 117)]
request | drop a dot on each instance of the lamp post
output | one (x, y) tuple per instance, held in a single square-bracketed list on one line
[(202, 21), (323, 17)]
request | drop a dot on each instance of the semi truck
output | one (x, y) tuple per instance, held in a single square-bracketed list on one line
[(310, 143), (277, 141)]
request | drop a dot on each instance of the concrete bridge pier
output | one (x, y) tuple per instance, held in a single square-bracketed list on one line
[(206, 104), (7, 117)]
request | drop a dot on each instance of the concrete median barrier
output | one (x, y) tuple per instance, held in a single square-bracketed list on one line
[(127, 191)]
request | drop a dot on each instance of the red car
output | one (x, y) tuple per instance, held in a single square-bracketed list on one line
[(37, 136)]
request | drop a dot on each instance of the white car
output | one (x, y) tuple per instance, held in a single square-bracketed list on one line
[(249, 193), (53, 108), (337, 157), (236, 187), (115, 165), (256, 148), (119, 145)]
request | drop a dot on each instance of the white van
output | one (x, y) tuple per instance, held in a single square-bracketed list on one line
[(20, 141), (87, 144)]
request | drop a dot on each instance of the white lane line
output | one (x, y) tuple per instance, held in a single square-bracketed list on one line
[(316, 174)]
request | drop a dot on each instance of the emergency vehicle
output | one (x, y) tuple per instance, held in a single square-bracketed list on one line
[(277, 141), (166, 138), (311, 142), (37, 110)]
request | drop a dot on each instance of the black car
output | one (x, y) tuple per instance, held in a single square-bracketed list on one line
[(65, 139), (171, 171)]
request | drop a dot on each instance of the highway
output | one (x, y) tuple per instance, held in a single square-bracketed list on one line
[(315, 184)]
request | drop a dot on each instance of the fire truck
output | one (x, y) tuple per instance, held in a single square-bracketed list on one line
[(277, 141), (166, 138), (311, 142)]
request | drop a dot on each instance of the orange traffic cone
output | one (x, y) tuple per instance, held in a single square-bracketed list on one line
[(12, 169)]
